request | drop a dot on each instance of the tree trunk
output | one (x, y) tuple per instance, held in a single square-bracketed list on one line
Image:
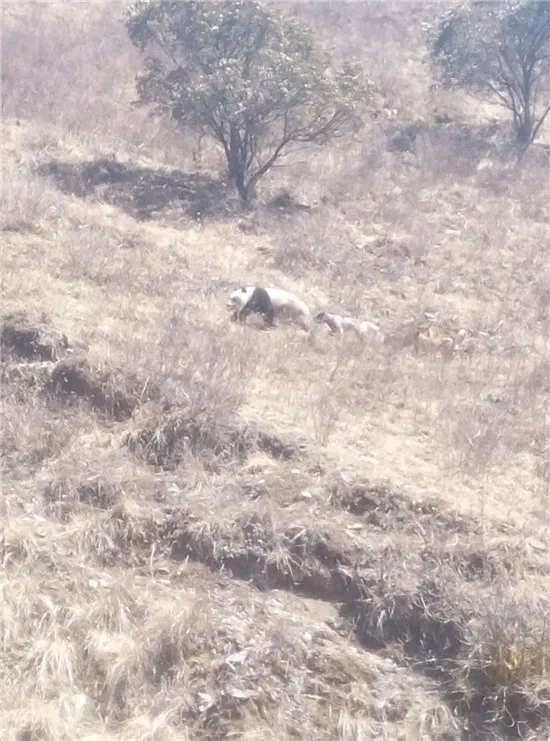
[(524, 130), (236, 169), (242, 188)]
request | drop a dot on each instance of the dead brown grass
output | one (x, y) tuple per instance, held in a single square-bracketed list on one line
[(210, 532)]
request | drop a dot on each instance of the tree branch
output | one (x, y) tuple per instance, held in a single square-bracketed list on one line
[(502, 98), (287, 137), (540, 122)]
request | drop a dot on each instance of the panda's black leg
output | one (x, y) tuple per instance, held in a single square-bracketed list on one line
[(269, 317), (242, 314)]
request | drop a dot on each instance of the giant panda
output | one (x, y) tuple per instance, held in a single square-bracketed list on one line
[(257, 302), (253, 299)]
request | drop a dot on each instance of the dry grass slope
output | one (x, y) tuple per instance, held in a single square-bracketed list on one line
[(214, 532)]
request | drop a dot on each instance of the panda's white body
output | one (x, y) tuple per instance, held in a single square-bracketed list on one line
[(285, 304)]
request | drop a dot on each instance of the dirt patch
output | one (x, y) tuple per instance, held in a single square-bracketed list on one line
[(111, 393), (21, 338), (276, 482)]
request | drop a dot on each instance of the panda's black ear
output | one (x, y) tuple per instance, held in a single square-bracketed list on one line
[(243, 290)]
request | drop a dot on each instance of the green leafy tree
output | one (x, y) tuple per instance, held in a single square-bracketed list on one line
[(500, 50), (249, 78)]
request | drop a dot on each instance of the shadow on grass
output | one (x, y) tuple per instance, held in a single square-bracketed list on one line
[(141, 192)]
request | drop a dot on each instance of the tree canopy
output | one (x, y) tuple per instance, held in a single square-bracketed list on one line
[(501, 50), (248, 77)]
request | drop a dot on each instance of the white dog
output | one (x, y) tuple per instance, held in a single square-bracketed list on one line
[(341, 324)]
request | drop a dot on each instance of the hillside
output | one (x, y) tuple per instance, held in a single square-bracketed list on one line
[(215, 532)]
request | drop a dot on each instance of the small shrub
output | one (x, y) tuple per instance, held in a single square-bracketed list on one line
[(504, 666)]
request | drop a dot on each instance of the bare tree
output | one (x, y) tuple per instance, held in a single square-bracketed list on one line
[(500, 50)]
